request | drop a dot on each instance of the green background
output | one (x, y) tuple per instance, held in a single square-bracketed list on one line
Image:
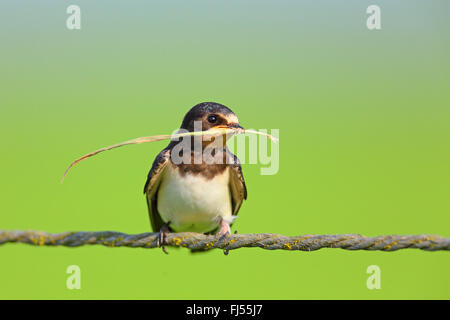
[(364, 119)]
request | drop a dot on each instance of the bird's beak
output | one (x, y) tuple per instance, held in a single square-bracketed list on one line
[(235, 126)]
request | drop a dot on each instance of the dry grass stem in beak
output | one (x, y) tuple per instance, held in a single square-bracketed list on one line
[(213, 132)]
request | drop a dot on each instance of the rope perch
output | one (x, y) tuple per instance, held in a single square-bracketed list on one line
[(206, 242)]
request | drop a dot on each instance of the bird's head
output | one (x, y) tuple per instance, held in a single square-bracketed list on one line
[(209, 115)]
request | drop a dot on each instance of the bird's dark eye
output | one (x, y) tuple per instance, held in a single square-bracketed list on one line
[(212, 119)]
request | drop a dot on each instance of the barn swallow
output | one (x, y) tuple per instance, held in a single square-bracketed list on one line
[(196, 196)]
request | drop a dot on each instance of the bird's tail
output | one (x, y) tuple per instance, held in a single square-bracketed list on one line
[(196, 251)]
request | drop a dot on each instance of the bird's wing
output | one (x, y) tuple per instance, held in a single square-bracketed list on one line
[(152, 186), (237, 184)]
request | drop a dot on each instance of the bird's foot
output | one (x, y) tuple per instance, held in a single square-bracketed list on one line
[(162, 237), (226, 252), (224, 229)]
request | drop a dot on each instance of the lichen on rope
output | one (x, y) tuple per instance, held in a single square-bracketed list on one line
[(199, 241)]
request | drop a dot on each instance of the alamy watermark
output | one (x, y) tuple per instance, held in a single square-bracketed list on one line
[(74, 280), (73, 21), (373, 22), (374, 280), (212, 149)]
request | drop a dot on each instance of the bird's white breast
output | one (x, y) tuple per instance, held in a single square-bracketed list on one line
[(191, 202)]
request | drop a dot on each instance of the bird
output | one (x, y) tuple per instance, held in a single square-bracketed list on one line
[(196, 195)]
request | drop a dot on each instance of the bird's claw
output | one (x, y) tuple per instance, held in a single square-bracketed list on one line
[(224, 229), (226, 251), (162, 237)]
